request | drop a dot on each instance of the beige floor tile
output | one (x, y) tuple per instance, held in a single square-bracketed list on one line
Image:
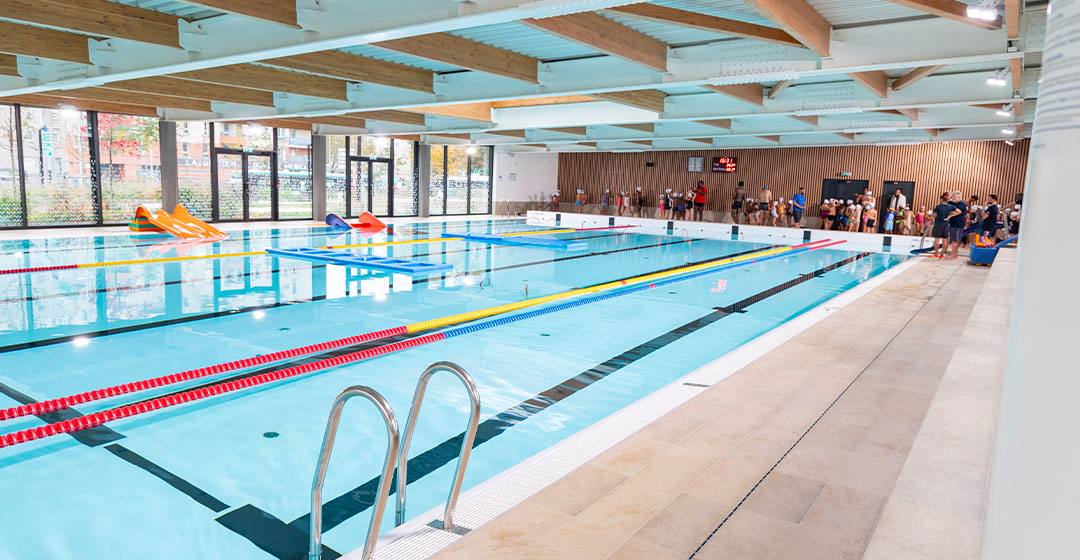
[(684, 524), (630, 455), (845, 511), (513, 531), (814, 543), (640, 549), (882, 440), (578, 489), (731, 478), (943, 485), (867, 473), (784, 496), (810, 461), (834, 433), (678, 423), (715, 437), (575, 541), (747, 536), (907, 532)]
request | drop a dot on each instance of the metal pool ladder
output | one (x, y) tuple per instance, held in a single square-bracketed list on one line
[(466, 444), (393, 439)]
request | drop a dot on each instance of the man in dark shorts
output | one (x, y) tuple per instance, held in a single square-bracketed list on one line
[(798, 206), (764, 202), (957, 224), (942, 213), (993, 212), (737, 203), (699, 201)]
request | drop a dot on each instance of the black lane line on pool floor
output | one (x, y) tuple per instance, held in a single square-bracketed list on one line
[(340, 509), (191, 318)]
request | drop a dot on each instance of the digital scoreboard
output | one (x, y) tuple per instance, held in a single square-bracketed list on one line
[(724, 164)]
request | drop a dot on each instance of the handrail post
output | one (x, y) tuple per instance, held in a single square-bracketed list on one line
[(392, 446), (466, 444)]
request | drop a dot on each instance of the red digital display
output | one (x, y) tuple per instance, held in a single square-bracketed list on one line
[(724, 164)]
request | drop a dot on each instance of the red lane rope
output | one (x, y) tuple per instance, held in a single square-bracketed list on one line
[(52, 405), (38, 268), (112, 414)]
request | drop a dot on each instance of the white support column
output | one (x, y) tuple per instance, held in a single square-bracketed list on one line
[(423, 182), (1033, 509), (318, 176), (170, 182)]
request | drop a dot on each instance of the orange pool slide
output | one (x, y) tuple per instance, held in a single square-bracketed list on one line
[(180, 223)]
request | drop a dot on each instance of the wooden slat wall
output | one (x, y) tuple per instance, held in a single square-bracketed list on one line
[(978, 168)]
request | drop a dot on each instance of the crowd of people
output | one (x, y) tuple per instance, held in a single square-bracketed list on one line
[(857, 214)]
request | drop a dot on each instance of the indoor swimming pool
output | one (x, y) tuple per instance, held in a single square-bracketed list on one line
[(230, 476)]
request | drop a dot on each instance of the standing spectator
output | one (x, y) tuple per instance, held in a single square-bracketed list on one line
[(798, 206), (898, 200), (957, 223), (555, 202), (639, 203), (700, 195), (764, 204), (580, 200), (990, 222), (943, 212), (737, 202)]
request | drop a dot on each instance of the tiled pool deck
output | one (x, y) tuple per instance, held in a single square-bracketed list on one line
[(867, 436)]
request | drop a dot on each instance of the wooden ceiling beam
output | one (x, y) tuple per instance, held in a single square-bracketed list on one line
[(800, 20), (356, 68), (1016, 70), (910, 113), (44, 43), (811, 120), (271, 79), (640, 127), (914, 75), (600, 33), (931, 131), (409, 137), (647, 99), (708, 141), (463, 53), (469, 111), (875, 80), (9, 65), (588, 144), (195, 90), (750, 93), (281, 123), (98, 17), (275, 11), (455, 135), (949, 9), (718, 123), (846, 135), (137, 98), (640, 142), (1012, 18), (400, 117), (779, 87), (694, 20), (574, 130), (538, 101), (52, 101), (348, 122), (771, 138)]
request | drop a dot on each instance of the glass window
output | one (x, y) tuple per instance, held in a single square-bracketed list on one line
[(10, 189), (437, 194), (457, 180), (294, 173), (480, 181), (336, 153), (375, 146), (130, 165), (404, 178), (244, 136), (56, 161), (193, 169)]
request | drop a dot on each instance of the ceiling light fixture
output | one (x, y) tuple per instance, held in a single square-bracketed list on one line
[(987, 10), (1010, 143), (471, 150), (910, 143), (870, 128), (828, 111), (551, 8), (68, 111), (1008, 131), (998, 78), (1004, 111)]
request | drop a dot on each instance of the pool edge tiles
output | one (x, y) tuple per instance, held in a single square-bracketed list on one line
[(415, 540)]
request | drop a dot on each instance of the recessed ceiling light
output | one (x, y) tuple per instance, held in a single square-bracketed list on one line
[(998, 78), (1008, 131)]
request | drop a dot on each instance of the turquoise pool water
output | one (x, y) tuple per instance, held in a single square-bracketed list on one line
[(230, 476)]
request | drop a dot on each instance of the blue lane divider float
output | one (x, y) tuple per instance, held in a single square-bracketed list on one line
[(458, 331), (521, 241), (345, 258)]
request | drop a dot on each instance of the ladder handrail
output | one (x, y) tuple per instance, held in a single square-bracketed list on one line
[(466, 444), (392, 446)]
